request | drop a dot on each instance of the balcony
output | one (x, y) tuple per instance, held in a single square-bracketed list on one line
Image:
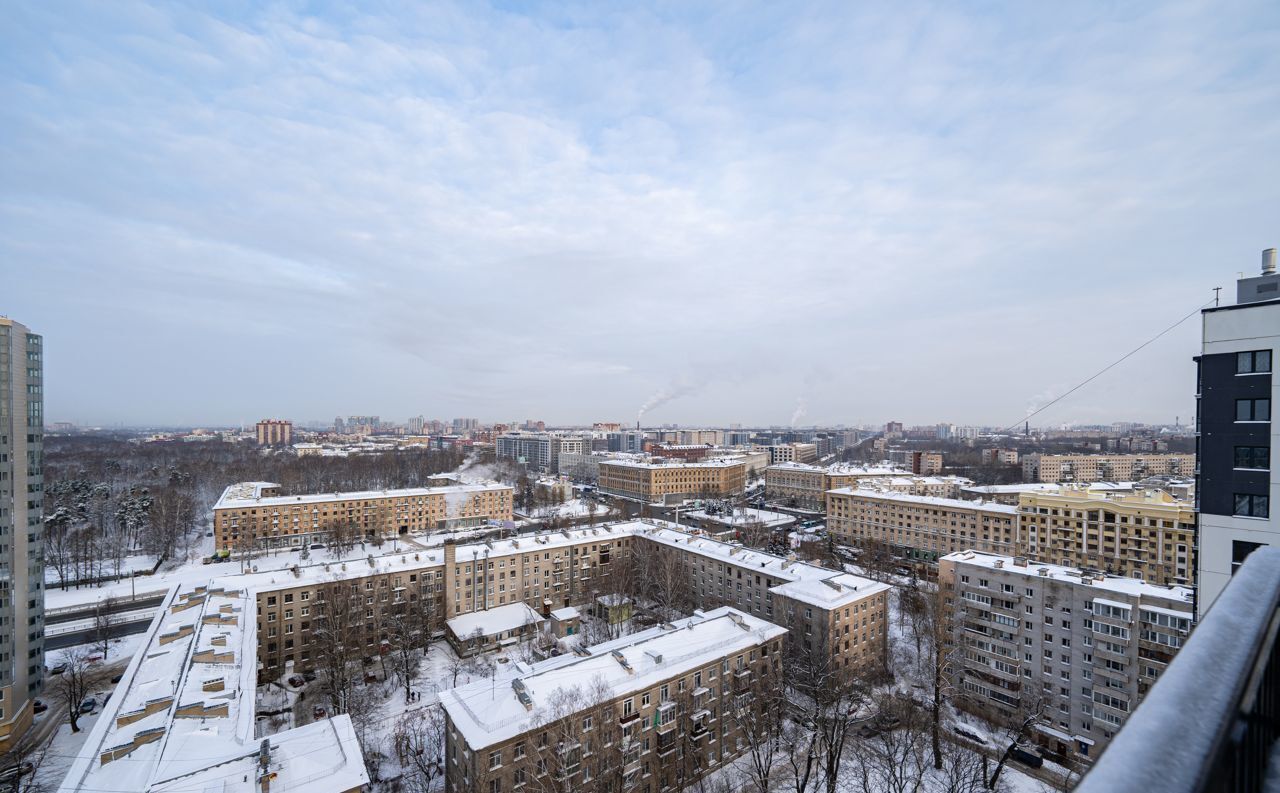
[(1210, 723)]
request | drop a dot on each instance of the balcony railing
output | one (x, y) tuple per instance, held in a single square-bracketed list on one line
[(1210, 723)]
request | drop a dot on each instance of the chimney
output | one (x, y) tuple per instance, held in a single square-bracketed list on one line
[(1264, 286), (1269, 261)]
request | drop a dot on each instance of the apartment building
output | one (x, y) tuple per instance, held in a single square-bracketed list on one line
[(793, 453), (21, 526), (275, 432), (805, 486), (830, 610), (921, 527), (256, 512), (540, 451), (999, 456), (1146, 534), (1237, 389), (656, 710), (1104, 467), (1081, 647), (680, 451), (669, 482), (926, 463)]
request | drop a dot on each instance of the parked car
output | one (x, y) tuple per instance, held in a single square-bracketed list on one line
[(38, 707), (297, 681), (116, 679), (317, 712), (88, 705), (317, 546), (308, 676), (59, 669), (1029, 759)]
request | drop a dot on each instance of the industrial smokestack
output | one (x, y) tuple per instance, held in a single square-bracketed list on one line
[(1269, 261)]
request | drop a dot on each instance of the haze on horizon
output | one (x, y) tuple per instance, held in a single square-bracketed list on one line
[(845, 212)]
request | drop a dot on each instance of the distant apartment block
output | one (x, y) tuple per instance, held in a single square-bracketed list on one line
[(999, 456), (21, 526), (1146, 534), (1104, 467), (663, 711), (926, 463), (275, 432), (793, 453), (805, 486), (1081, 647), (540, 451), (256, 512), (680, 451), (921, 527), (1237, 434), (672, 481)]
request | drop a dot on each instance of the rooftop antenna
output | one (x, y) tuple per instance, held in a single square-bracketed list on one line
[(1217, 290)]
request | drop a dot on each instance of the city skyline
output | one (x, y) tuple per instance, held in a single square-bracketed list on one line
[(766, 216)]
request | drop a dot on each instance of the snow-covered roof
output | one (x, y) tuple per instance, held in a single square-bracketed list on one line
[(487, 716), (719, 462), (249, 494), (491, 622), (564, 614), (1104, 583), (930, 501), (185, 707)]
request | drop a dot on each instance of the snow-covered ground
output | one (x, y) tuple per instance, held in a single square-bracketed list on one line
[(574, 508)]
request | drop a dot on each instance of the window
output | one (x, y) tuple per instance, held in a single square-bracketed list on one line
[(1251, 506), (1253, 410), (495, 759), (1253, 457), (1239, 550), (1255, 362)]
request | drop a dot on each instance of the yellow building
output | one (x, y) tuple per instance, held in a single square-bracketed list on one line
[(255, 511), (672, 481), (805, 486), (922, 527), (1104, 467), (1146, 534)]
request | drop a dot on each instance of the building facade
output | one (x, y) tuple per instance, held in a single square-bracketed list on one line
[(656, 710), (793, 453), (1080, 648), (255, 512), (275, 432), (926, 463), (1145, 534), (1236, 435), (805, 486), (921, 527), (21, 526), (837, 612), (668, 482), (539, 451), (1104, 467)]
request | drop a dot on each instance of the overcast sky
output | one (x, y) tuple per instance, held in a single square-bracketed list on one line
[(766, 212)]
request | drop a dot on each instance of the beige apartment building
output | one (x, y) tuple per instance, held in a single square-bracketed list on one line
[(275, 432), (793, 453), (21, 527), (921, 527), (672, 481), (805, 486), (1085, 647), (1104, 467), (843, 613), (653, 711), (255, 512), (1146, 534)]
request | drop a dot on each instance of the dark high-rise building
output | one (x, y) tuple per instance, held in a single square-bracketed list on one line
[(21, 521), (1236, 483)]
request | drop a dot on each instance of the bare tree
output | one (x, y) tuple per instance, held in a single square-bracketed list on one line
[(761, 727), (70, 688), (404, 637), (103, 628), (893, 759), (419, 740)]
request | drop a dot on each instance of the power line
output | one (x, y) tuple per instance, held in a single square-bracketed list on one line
[(1105, 369)]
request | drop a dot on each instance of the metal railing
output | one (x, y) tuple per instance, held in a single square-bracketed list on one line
[(1210, 723)]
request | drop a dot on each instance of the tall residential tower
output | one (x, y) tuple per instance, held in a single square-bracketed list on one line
[(1236, 483), (21, 510)]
